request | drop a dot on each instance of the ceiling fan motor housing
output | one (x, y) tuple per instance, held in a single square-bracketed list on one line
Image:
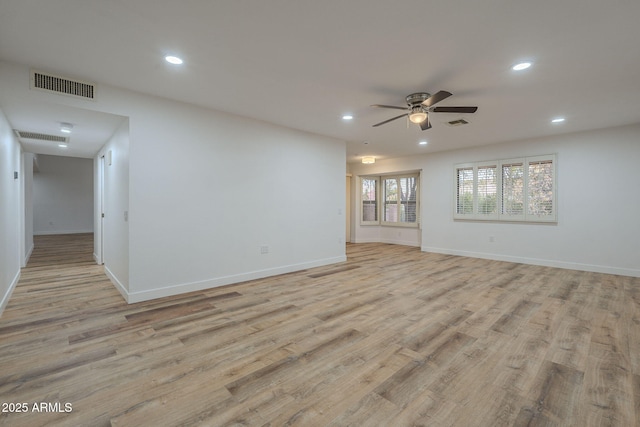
[(416, 99)]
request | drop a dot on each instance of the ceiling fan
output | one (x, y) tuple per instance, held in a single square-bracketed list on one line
[(420, 104)]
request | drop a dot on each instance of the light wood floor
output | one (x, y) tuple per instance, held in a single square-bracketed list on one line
[(392, 337)]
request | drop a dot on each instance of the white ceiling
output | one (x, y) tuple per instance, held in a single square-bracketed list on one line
[(303, 64), (90, 131)]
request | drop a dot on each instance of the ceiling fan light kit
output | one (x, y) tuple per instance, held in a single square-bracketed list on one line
[(417, 115), (420, 104)]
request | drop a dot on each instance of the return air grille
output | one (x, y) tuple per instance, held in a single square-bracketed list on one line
[(41, 136), (62, 85), (458, 122)]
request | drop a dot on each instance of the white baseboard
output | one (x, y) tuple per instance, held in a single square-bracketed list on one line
[(355, 240), (133, 297), (389, 241), (53, 232), (537, 261), (28, 255), (117, 283), (7, 295), (400, 242), (95, 258)]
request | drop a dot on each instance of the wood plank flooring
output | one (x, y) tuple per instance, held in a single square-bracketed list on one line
[(392, 337)]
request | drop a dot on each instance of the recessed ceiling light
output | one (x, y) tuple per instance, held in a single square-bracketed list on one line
[(347, 117), (66, 127), (62, 145), (173, 60), (558, 120), (423, 143), (521, 66)]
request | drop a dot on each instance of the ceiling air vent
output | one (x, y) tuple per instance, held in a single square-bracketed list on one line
[(40, 136), (62, 85), (458, 122)]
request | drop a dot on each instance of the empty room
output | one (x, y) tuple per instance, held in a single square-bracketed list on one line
[(355, 213)]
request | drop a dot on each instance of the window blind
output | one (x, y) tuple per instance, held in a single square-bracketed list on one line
[(464, 195), (487, 190), (540, 200), (513, 189), (522, 189)]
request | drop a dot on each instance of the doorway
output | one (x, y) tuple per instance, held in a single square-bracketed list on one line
[(347, 210), (100, 213)]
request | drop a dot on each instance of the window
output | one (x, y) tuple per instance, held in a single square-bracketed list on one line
[(513, 189), (369, 200), (465, 191), (399, 200), (390, 200), (487, 190), (509, 190), (541, 185)]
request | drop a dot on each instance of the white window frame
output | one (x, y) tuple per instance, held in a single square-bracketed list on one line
[(376, 179), (499, 214), (381, 198)]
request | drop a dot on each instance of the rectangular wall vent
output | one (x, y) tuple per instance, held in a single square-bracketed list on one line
[(40, 136), (62, 85), (458, 122)]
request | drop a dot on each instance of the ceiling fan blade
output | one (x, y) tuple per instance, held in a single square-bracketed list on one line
[(435, 98), (390, 120), (425, 124), (454, 109), (389, 106)]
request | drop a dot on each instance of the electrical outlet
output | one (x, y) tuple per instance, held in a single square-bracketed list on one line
[(264, 249)]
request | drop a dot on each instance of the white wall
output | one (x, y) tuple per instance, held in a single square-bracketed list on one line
[(207, 189), (598, 201), (63, 195), (10, 211)]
